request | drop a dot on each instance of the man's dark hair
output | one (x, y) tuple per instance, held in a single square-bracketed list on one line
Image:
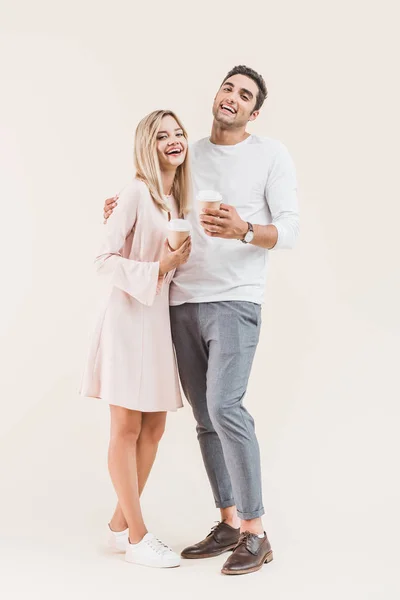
[(256, 77)]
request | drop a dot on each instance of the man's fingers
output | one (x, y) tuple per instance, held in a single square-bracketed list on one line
[(213, 225), (108, 210), (213, 229), (216, 234), (210, 220), (222, 213), (111, 202)]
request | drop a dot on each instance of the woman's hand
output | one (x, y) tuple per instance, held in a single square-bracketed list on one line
[(170, 260)]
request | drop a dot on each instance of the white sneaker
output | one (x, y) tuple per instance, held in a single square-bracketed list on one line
[(118, 540), (150, 552)]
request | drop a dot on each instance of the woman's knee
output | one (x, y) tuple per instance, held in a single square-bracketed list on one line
[(126, 425), (153, 428), (128, 436)]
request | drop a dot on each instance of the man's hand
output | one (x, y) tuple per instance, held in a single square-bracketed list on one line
[(224, 223), (109, 206)]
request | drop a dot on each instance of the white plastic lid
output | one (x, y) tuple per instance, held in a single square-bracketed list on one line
[(179, 225), (210, 195)]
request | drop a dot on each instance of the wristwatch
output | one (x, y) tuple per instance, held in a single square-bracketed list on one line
[(249, 235)]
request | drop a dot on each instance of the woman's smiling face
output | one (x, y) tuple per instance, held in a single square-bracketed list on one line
[(171, 144)]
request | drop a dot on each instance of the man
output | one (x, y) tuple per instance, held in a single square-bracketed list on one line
[(216, 308)]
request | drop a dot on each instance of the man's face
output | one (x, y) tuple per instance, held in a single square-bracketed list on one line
[(235, 101)]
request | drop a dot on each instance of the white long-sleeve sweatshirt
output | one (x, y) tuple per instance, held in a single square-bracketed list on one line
[(258, 178)]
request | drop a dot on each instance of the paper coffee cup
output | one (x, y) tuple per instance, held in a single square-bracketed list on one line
[(178, 232), (208, 199)]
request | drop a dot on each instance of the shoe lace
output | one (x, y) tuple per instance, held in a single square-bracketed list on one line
[(158, 546), (244, 537), (218, 523)]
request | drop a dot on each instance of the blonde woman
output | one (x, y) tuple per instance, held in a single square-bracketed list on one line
[(131, 361)]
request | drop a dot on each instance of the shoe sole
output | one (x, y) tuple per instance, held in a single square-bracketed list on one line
[(192, 556), (140, 564), (269, 557)]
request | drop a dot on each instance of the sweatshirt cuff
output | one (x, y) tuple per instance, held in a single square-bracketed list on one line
[(286, 235)]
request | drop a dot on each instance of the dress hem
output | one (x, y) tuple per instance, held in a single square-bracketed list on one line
[(130, 407)]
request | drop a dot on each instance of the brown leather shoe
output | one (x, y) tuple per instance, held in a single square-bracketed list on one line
[(221, 538), (249, 555)]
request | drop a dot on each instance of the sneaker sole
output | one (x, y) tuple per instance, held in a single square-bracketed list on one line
[(132, 562), (269, 557)]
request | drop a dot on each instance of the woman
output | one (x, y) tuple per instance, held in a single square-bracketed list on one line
[(131, 361)]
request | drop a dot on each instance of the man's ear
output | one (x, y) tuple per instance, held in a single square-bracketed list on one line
[(254, 115)]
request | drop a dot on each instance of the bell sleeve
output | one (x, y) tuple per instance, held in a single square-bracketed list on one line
[(138, 279)]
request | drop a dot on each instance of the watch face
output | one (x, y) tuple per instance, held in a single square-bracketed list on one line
[(249, 237)]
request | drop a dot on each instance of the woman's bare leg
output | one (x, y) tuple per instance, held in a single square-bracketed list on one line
[(118, 521), (125, 431), (152, 429)]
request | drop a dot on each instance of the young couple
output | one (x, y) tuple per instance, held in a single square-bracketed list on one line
[(208, 295)]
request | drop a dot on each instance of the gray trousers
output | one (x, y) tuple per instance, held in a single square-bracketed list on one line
[(215, 343)]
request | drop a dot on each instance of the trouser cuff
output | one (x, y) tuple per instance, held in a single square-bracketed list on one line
[(225, 503), (247, 516)]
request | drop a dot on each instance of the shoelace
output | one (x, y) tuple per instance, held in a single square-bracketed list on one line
[(218, 523), (158, 546), (244, 537)]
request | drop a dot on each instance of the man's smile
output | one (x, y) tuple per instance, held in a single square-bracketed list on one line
[(227, 108)]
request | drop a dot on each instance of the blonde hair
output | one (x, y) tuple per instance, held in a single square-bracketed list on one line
[(148, 167)]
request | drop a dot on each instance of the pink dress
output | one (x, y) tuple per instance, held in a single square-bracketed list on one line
[(131, 359)]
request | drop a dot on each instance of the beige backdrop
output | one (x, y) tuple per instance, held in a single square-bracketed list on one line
[(76, 78)]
